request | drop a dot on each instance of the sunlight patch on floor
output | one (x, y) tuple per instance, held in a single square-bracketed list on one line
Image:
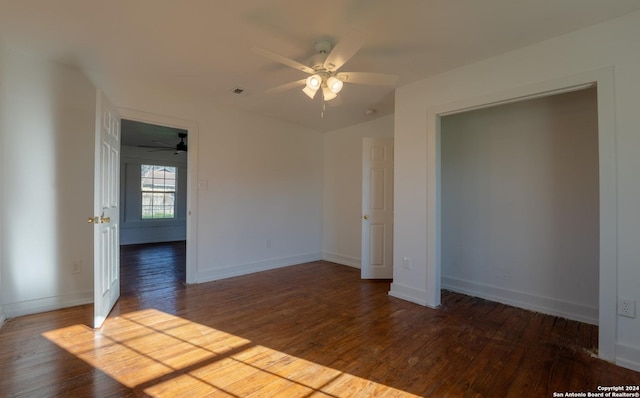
[(165, 355)]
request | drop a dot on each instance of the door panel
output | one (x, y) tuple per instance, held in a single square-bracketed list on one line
[(377, 188), (106, 207), (376, 245), (377, 208)]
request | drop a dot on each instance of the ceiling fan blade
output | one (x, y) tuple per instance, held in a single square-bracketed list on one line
[(376, 79), (157, 147), (283, 60), (286, 86), (344, 50), (161, 150), (163, 144)]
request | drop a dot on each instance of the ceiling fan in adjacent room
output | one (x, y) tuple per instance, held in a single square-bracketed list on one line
[(181, 147), (323, 69)]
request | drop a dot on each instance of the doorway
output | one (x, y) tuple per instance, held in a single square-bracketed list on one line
[(603, 80), (519, 204), (171, 143), (153, 193)]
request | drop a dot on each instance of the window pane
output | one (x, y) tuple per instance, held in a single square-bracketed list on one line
[(147, 212), (147, 183), (158, 199), (168, 211), (145, 170), (158, 171), (169, 184)]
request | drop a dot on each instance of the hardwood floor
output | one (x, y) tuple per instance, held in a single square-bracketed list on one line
[(313, 329)]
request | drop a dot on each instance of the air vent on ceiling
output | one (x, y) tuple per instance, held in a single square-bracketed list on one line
[(237, 90)]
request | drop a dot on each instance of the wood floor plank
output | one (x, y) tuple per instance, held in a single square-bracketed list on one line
[(313, 329)]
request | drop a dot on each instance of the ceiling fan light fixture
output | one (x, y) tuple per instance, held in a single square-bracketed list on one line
[(334, 84), (309, 91), (328, 94), (314, 82)]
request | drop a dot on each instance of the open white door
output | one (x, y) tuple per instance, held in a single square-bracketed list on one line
[(377, 208), (106, 210)]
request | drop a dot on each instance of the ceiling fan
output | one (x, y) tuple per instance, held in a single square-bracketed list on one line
[(181, 147), (323, 69)]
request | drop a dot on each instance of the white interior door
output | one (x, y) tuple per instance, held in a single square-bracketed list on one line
[(107, 212), (377, 208)]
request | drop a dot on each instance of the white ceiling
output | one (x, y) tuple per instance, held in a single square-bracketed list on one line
[(201, 48)]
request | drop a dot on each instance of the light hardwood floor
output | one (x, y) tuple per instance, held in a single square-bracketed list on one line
[(313, 329)]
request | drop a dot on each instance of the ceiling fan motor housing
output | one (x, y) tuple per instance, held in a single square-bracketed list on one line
[(323, 46), (316, 62)]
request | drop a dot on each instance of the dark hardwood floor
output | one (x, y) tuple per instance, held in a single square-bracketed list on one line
[(153, 273), (313, 329)]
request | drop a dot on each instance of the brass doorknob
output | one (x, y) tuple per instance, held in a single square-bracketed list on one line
[(93, 220), (366, 216), (104, 220)]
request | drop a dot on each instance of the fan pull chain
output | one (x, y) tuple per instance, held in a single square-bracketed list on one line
[(323, 108)]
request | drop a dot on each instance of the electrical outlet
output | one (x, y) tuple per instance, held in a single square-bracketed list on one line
[(406, 263), (75, 267), (626, 307)]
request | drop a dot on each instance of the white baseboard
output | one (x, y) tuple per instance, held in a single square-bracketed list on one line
[(628, 357), (13, 310), (341, 259), (2, 317), (545, 305), (244, 269), (409, 294)]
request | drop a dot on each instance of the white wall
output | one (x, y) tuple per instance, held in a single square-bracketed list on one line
[(257, 188), (47, 176), (520, 209), (342, 193), (134, 230), (258, 183), (598, 47), (2, 127)]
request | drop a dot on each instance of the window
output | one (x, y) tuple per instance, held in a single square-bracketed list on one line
[(158, 186)]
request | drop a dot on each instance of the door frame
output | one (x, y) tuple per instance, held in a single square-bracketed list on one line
[(603, 79), (192, 178)]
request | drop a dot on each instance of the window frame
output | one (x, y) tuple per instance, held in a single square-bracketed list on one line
[(161, 208)]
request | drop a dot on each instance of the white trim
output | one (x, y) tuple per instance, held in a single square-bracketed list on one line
[(545, 305), (341, 259), (250, 268), (628, 357), (542, 94), (409, 294), (604, 80), (192, 178), (13, 310), (2, 317)]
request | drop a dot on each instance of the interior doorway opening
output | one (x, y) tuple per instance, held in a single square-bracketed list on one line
[(153, 194), (602, 79), (190, 181), (520, 204)]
